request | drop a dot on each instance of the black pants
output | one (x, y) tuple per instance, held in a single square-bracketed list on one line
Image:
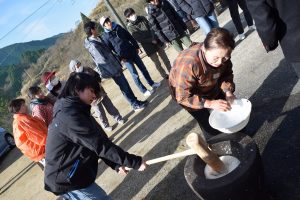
[(202, 116), (234, 13)]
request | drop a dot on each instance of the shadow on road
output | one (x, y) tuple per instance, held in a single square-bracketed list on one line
[(275, 89), (172, 185), (9, 158), (274, 126), (151, 124)]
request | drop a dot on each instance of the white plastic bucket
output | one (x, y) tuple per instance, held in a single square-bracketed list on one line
[(234, 120)]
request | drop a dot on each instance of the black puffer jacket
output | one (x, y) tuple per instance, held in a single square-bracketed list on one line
[(196, 8), (141, 31), (75, 142), (165, 22)]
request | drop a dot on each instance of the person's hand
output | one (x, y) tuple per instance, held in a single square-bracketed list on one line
[(227, 86), (154, 41), (230, 97), (123, 60), (271, 47), (143, 166), (123, 171), (219, 104), (94, 103)]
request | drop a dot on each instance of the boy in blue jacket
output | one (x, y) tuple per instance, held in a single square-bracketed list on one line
[(127, 49)]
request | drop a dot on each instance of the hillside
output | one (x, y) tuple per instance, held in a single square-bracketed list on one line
[(22, 56), (12, 54), (71, 46), (53, 53)]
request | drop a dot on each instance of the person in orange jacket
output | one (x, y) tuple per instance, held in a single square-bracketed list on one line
[(30, 133)]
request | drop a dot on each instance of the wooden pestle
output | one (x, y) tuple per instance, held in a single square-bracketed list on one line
[(197, 146), (195, 142)]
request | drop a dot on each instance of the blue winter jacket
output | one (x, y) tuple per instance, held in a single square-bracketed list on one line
[(121, 42)]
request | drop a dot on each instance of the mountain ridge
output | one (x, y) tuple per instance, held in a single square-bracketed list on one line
[(11, 54)]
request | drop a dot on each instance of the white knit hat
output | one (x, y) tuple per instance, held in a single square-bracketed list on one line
[(72, 65), (103, 19)]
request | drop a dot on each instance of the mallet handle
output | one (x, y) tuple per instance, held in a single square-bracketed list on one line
[(171, 156)]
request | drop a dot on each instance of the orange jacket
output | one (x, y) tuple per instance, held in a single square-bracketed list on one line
[(30, 135)]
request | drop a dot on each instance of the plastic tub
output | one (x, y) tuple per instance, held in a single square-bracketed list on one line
[(234, 120)]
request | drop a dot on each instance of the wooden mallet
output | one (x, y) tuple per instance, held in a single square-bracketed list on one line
[(200, 147), (197, 146)]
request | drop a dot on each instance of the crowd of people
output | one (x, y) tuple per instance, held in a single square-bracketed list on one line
[(59, 131)]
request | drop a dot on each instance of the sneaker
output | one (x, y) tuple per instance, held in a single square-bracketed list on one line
[(140, 106), (156, 85), (252, 28), (108, 128), (121, 121), (242, 36), (148, 93)]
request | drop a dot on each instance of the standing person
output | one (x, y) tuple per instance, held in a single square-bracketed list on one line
[(278, 21), (40, 105), (29, 132), (126, 47), (202, 78), (139, 27), (235, 16), (190, 23), (167, 24), (108, 66), (103, 100), (52, 84), (76, 141), (202, 11)]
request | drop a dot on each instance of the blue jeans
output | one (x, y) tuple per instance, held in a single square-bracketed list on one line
[(208, 22), (92, 192), (139, 63), (123, 84)]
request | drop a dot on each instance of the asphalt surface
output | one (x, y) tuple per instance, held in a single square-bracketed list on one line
[(270, 83)]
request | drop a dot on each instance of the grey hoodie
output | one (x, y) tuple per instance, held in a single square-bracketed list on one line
[(107, 65)]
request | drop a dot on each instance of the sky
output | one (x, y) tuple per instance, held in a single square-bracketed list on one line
[(57, 16)]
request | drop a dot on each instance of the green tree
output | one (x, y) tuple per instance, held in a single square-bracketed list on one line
[(85, 19)]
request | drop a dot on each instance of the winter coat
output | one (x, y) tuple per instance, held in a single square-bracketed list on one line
[(196, 8), (142, 33), (174, 4), (165, 22), (74, 144), (107, 65), (185, 18), (30, 135), (42, 109), (278, 21), (121, 42)]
